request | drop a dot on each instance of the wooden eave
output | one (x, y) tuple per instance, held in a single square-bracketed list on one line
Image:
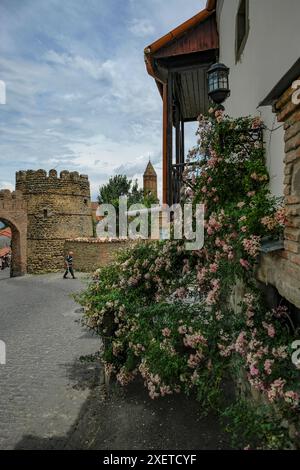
[(188, 51)]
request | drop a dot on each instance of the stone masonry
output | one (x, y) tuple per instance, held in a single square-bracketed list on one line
[(91, 254), (58, 208), (282, 269), (13, 211), (150, 180)]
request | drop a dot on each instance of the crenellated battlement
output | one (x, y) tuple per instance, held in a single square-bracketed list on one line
[(7, 194), (64, 175), (44, 211), (37, 181), (58, 207), (12, 200)]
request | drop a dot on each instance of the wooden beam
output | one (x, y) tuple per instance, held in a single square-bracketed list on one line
[(169, 137), (182, 142), (188, 61), (165, 145), (177, 141)]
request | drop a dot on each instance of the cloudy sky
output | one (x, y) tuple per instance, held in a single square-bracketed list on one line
[(78, 94)]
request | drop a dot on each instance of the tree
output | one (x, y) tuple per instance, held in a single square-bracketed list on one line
[(120, 185)]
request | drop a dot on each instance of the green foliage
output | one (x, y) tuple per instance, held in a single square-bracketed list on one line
[(165, 313), (255, 426), (117, 186)]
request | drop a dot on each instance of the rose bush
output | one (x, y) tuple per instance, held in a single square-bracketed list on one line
[(164, 313)]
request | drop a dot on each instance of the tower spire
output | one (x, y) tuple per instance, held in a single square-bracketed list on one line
[(150, 180)]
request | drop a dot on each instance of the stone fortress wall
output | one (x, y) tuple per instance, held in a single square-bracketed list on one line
[(13, 211), (58, 208), (51, 214), (92, 253)]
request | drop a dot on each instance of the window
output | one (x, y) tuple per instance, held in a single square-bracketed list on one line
[(242, 28)]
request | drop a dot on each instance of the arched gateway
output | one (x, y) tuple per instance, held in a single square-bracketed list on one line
[(13, 212)]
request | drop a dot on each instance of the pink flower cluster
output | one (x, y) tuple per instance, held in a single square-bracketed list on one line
[(244, 263), (166, 332), (138, 348), (182, 329), (249, 301), (154, 383), (281, 216), (226, 350), (292, 398), (213, 294), (241, 343), (270, 329), (201, 274), (108, 368), (194, 360), (167, 347), (186, 267), (269, 222), (275, 390), (259, 178), (193, 340), (280, 352), (256, 122), (219, 115), (268, 366), (181, 292), (213, 225), (252, 245), (214, 159), (124, 377), (117, 347)]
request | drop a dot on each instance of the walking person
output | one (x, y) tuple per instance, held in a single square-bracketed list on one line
[(69, 265)]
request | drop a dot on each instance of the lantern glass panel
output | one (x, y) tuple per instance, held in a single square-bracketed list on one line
[(218, 83)]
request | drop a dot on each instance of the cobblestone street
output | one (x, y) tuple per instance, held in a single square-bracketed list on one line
[(38, 390), (51, 400)]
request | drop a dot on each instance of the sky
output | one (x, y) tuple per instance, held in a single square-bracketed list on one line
[(78, 96)]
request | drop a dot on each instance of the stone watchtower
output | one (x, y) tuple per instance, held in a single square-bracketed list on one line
[(58, 208), (150, 181)]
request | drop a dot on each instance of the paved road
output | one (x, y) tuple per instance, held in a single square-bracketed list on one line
[(51, 400), (39, 392)]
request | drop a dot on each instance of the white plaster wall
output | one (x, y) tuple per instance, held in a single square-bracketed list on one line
[(272, 48)]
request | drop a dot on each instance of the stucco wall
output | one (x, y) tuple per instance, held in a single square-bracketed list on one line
[(271, 50)]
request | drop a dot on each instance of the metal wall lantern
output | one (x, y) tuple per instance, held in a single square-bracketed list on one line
[(218, 83)]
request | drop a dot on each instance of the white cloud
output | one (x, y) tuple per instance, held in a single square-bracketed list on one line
[(78, 94), (6, 185), (94, 68), (141, 27), (72, 96)]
